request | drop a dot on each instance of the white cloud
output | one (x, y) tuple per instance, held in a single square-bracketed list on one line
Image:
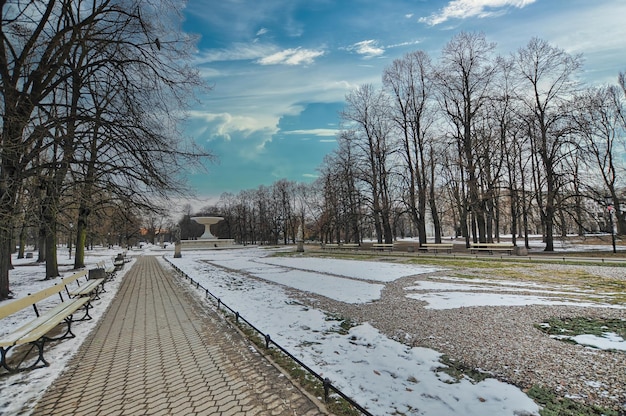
[(314, 132), (462, 9), (224, 125), (401, 44), (238, 52), (262, 31), (369, 48), (297, 56)]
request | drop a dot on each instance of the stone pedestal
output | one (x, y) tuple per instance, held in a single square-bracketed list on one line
[(207, 244), (207, 241), (300, 240)]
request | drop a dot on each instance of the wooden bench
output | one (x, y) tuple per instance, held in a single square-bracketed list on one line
[(331, 246), (491, 247), (109, 271), (435, 247), (119, 261), (91, 287), (383, 246), (351, 246), (36, 332)]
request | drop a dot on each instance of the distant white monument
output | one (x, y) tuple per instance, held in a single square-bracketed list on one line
[(207, 240), (207, 222)]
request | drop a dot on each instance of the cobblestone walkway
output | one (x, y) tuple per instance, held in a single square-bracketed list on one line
[(158, 352)]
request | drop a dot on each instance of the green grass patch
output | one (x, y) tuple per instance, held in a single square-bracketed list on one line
[(554, 405), (459, 371), (345, 324), (582, 325)]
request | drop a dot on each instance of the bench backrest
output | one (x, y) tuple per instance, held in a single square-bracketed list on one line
[(71, 279), (19, 304)]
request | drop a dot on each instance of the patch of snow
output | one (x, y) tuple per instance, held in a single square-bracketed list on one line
[(608, 341)]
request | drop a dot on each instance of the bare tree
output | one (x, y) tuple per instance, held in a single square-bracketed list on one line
[(598, 117), (47, 48), (548, 73), (464, 80), (407, 80), (341, 211), (367, 111)]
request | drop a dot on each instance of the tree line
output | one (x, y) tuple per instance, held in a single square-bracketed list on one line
[(92, 92), (474, 145)]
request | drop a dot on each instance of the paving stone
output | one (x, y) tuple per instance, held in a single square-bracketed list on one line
[(158, 351)]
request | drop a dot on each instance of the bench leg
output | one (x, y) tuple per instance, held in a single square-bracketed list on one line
[(85, 317), (3, 358), (24, 356), (68, 332)]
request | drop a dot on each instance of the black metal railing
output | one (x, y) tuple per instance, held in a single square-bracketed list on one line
[(326, 383)]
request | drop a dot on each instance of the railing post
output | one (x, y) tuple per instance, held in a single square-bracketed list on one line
[(326, 389)]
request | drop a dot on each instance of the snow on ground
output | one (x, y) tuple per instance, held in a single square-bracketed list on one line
[(381, 374), (608, 341), (378, 372), (326, 277), (457, 293), (365, 270)]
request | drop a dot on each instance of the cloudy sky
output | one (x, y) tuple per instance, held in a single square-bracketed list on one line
[(280, 69)]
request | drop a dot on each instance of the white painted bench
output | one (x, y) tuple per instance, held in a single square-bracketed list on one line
[(89, 287), (383, 246), (491, 247), (435, 247), (352, 246), (35, 332)]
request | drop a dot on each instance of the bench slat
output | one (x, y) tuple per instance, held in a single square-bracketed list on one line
[(19, 304), (88, 288), (37, 328), (71, 279)]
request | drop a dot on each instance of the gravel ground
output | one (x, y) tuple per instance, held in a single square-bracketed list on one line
[(502, 340)]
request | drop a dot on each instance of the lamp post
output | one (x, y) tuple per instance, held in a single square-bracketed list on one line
[(609, 207)]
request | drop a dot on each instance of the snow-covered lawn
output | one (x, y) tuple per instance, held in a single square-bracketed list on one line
[(381, 374)]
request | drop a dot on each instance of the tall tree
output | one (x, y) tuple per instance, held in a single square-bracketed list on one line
[(138, 47), (408, 83), (367, 111), (598, 118), (548, 76), (464, 80)]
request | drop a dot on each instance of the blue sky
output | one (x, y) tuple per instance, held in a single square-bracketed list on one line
[(280, 69)]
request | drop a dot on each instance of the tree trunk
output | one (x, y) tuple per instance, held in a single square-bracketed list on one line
[(52, 265), (41, 251), (81, 237), (22, 240), (5, 259)]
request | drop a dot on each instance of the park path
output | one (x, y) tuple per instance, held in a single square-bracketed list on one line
[(157, 351)]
